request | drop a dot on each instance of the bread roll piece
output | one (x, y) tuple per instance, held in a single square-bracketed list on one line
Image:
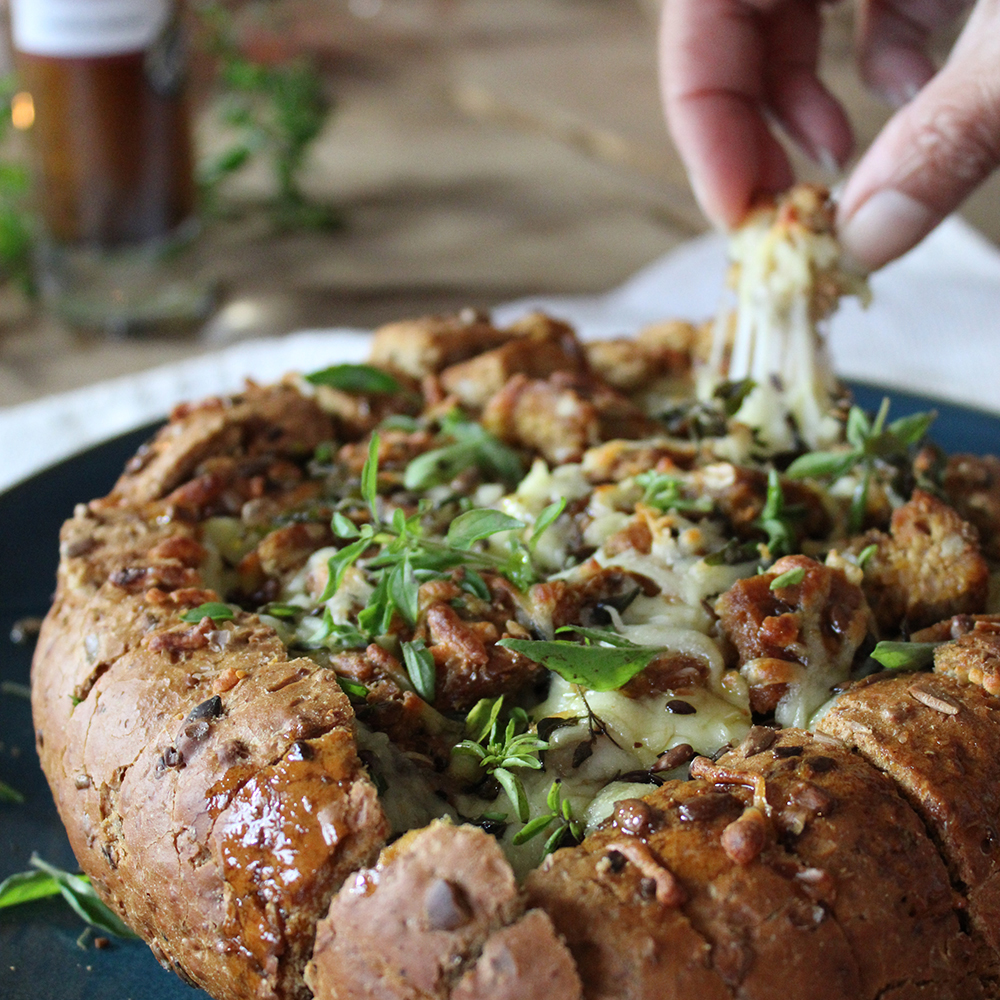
[(939, 740), (439, 917)]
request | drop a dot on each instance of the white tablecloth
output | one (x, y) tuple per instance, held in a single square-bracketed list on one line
[(933, 328)]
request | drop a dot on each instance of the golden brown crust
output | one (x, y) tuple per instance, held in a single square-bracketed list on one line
[(728, 930), (939, 741), (211, 787), (929, 567), (846, 824), (439, 917)]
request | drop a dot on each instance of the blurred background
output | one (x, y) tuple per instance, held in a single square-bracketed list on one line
[(365, 160)]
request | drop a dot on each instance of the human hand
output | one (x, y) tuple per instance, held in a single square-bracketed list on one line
[(731, 69)]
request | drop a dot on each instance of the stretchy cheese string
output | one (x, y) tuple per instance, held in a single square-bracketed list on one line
[(788, 279)]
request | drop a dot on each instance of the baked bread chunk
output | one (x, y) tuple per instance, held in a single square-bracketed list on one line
[(493, 670)]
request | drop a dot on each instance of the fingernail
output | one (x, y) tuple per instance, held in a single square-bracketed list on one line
[(827, 160), (885, 226)]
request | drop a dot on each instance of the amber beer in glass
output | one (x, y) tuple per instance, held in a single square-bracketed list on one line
[(114, 178)]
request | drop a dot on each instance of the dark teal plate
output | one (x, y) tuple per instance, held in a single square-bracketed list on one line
[(40, 958)]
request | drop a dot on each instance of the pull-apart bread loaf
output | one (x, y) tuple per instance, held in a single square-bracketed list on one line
[(511, 666)]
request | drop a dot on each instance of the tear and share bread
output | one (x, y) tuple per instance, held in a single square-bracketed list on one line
[(223, 793)]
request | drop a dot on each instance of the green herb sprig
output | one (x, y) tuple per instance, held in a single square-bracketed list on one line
[(356, 379), (790, 578), (501, 749), (48, 880), (666, 492), (215, 610), (905, 655), (872, 442), (472, 447), (9, 794), (276, 111), (778, 519), (561, 813)]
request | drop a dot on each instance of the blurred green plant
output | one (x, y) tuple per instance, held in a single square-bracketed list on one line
[(276, 110), (15, 212)]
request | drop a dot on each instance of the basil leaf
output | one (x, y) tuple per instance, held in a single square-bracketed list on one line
[(344, 527), (858, 428), (337, 565), (474, 584), (600, 635), (83, 899), (556, 838), (482, 718), (545, 520), (278, 610), (532, 829), (369, 476), (597, 668), (905, 655), (790, 578), (8, 794), (375, 619), (512, 785), (25, 887), (355, 379), (822, 464), (475, 525), (405, 590), (866, 553), (215, 610), (420, 666), (353, 689), (911, 430), (552, 799), (474, 446)]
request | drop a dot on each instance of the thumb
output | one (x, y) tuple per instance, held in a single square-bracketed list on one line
[(931, 154)]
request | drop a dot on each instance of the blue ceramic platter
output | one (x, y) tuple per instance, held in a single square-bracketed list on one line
[(40, 956)]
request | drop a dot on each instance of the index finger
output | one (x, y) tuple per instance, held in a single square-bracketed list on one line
[(733, 69), (712, 75)]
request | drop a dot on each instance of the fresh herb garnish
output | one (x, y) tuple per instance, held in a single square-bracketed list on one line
[(8, 794), (905, 655), (561, 813), (732, 394), (790, 578), (283, 611), (866, 553), (475, 525), (215, 610), (778, 518), (25, 887), (353, 689), (356, 379), (666, 492), (872, 442), (15, 689), (420, 666), (500, 749), (544, 521), (473, 447), (326, 632), (599, 668)]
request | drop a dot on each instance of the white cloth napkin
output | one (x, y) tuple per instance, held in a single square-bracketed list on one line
[(934, 329)]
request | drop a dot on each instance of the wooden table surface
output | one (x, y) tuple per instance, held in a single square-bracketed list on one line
[(480, 150)]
